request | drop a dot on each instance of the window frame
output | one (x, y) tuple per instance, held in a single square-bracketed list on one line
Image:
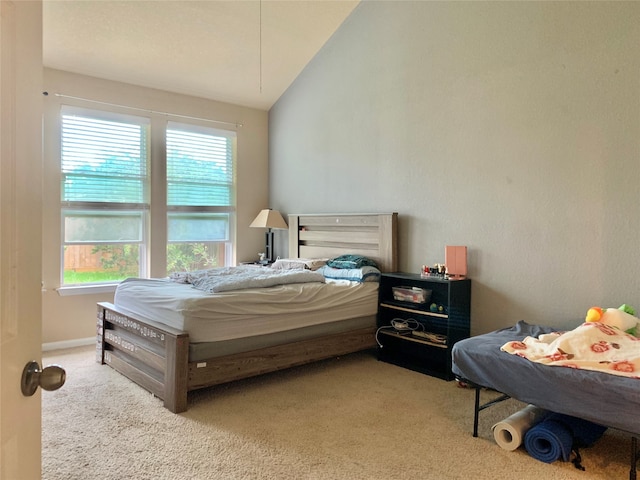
[(68, 207), (186, 209), (156, 209)]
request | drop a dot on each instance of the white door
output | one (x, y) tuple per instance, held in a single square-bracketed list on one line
[(20, 233)]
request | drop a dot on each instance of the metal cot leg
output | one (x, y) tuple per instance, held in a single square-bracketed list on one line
[(634, 458), (476, 412), (478, 407)]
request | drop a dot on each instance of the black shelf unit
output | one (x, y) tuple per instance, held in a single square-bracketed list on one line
[(453, 323)]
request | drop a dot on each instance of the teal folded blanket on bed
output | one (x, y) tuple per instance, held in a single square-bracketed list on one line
[(555, 437)]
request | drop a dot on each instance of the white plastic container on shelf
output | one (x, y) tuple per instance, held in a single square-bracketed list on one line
[(411, 294)]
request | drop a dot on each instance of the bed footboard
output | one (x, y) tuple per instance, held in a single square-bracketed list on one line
[(156, 356), (150, 354)]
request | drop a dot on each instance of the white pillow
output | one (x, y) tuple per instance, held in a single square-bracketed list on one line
[(299, 263)]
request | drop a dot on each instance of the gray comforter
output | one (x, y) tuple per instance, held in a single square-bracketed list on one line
[(225, 279)]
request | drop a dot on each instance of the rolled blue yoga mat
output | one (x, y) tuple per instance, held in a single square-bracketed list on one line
[(584, 433), (554, 437), (549, 441)]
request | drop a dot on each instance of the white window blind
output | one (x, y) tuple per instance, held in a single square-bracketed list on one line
[(103, 160), (199, 166)]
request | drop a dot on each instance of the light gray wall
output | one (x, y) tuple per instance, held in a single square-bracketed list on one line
[(509, 127)]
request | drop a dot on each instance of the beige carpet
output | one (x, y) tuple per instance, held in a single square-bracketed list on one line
[(349, 418)]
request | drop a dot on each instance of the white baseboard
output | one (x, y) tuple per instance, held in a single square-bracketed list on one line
[(78, 342)]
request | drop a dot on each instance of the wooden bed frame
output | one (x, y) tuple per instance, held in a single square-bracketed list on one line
[(156, 356)]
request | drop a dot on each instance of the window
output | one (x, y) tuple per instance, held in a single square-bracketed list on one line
[(107, 224), (200, 196), (104, 195)]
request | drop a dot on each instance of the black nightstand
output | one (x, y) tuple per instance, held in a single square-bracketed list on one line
[(425, 346)]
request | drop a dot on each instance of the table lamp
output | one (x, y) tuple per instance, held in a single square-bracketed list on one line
[(269, 219)]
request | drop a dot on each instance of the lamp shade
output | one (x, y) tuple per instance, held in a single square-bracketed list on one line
[(268, 218)]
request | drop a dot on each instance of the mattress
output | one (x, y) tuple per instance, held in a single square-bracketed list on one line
[(602, 398), (245, 313), (208, 350)]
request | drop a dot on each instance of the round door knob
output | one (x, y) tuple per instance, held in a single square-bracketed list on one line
[(49, 378)]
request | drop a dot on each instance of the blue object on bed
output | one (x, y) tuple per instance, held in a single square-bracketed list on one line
[(598, 397), (558, 434), (351, 261)]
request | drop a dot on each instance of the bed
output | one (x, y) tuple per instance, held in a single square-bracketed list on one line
[(165, 360), (602, 398)]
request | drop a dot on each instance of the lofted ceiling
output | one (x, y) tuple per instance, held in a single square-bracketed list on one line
[(245, 52)]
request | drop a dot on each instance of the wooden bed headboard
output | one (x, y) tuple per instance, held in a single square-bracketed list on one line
[(374, 235)]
